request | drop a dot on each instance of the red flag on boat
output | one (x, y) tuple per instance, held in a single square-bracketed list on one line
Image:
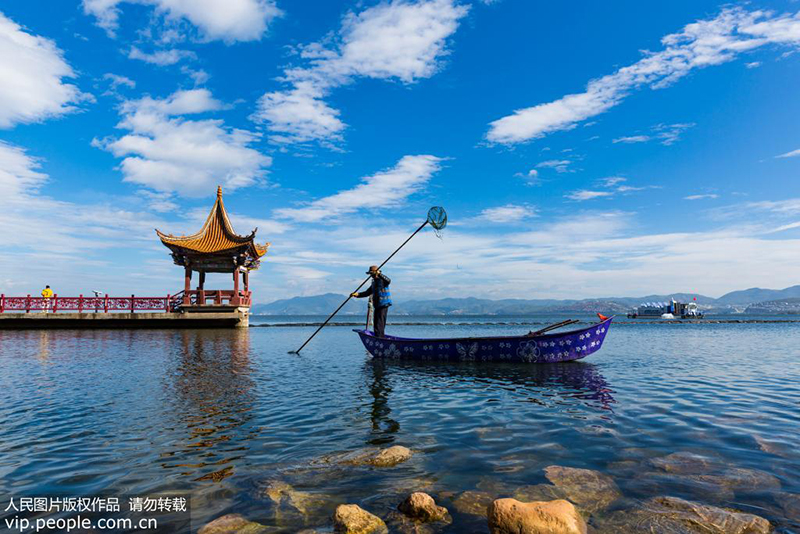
[(602, 317)]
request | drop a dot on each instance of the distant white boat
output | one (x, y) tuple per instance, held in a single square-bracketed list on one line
[(667, 316)]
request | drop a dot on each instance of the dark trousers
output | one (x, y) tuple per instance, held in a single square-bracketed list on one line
[(379, 320)]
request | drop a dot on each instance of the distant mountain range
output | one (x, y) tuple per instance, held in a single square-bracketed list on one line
[(325, 304)]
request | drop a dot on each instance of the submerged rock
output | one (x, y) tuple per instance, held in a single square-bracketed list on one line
[(685, 463), (422, 507), (391, 456), (670, 515), (510, 516), (352, 519), (790, 503), (539, 492), (773, 447), (232, 524), (402, 524), (590, 490), (473, 503), (388, 457), (659, 483), (305, 503), (739, 479)]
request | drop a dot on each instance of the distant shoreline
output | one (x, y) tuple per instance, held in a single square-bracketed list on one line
[(528, 323)]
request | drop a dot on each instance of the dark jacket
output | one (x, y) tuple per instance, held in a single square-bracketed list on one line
[(379, 291)]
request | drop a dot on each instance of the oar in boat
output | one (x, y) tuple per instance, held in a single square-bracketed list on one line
[(553, 327), (437, 218)]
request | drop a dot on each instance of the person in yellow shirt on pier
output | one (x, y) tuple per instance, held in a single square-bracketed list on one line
[(47, 294)]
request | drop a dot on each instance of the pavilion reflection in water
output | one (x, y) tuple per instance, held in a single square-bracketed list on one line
[(214, 396)]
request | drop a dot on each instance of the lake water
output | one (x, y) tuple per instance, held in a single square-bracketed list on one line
[(219, 415)]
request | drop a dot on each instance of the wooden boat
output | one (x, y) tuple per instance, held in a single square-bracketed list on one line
[(533, 348)]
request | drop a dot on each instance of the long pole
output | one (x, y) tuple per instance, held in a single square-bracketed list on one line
[(356, 290)]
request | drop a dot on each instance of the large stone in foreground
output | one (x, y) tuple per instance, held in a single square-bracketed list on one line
[(590, 490), (510, 516), (670, 515), (232, 524), (352, 519), (422, 507)]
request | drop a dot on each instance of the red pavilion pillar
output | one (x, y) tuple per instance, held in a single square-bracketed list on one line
[(235, 301), (201, 297), (187, 287)]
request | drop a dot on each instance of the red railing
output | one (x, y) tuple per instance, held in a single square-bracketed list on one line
[(132, 304), (216, 297)]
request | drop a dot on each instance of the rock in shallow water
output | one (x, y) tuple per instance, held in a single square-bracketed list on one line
[(352, 519), (590, 490), (422, 507), (685, 463), (232, 524), (473, 503), (742, 480), (391, 456), (510, 516), (388, 457), (670, 515)]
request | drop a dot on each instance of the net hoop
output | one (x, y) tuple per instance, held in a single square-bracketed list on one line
[(437, 218)]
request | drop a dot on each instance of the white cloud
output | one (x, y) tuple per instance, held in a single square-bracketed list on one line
[(300, 115), (585, 194), (698, 45), (117, 80), (392, 40), (592, 254), (161, 58), (226, 20), (382, 190), (531, 177), (168, 153), (560, 165), (27, 215), (509, 213), (669, 134), (666, 134), (632, 139), (700, 197), (792, 154), (32, 73), (611, 181), (753, 64)]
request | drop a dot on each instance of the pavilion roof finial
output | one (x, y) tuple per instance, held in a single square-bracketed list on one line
[(219, 191)]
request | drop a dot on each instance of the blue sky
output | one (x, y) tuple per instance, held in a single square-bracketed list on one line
[(580, 149)]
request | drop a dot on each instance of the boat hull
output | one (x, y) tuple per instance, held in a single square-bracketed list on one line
[(545, 348)]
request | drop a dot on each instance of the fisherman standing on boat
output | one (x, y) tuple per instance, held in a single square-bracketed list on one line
[(381, 299)]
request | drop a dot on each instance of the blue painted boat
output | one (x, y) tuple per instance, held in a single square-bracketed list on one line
[(544, 348)]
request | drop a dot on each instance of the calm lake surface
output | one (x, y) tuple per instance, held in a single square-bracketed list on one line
[(218, 415)]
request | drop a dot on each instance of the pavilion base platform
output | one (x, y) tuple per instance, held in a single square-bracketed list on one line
[(196, 317)]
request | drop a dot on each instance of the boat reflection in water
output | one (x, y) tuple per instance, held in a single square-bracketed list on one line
[(414, 387)]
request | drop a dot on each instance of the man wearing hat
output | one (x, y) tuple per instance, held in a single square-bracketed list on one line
[(381, 298)]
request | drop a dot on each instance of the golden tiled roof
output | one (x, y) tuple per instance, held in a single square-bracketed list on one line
[(216, 235)]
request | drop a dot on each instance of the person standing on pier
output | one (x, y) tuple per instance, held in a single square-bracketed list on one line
[(381, 299), (47, 295)]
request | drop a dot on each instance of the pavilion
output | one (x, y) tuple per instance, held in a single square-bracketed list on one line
[(216, 248)]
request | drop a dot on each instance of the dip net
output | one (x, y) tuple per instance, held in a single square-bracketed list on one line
[(437, 218)]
